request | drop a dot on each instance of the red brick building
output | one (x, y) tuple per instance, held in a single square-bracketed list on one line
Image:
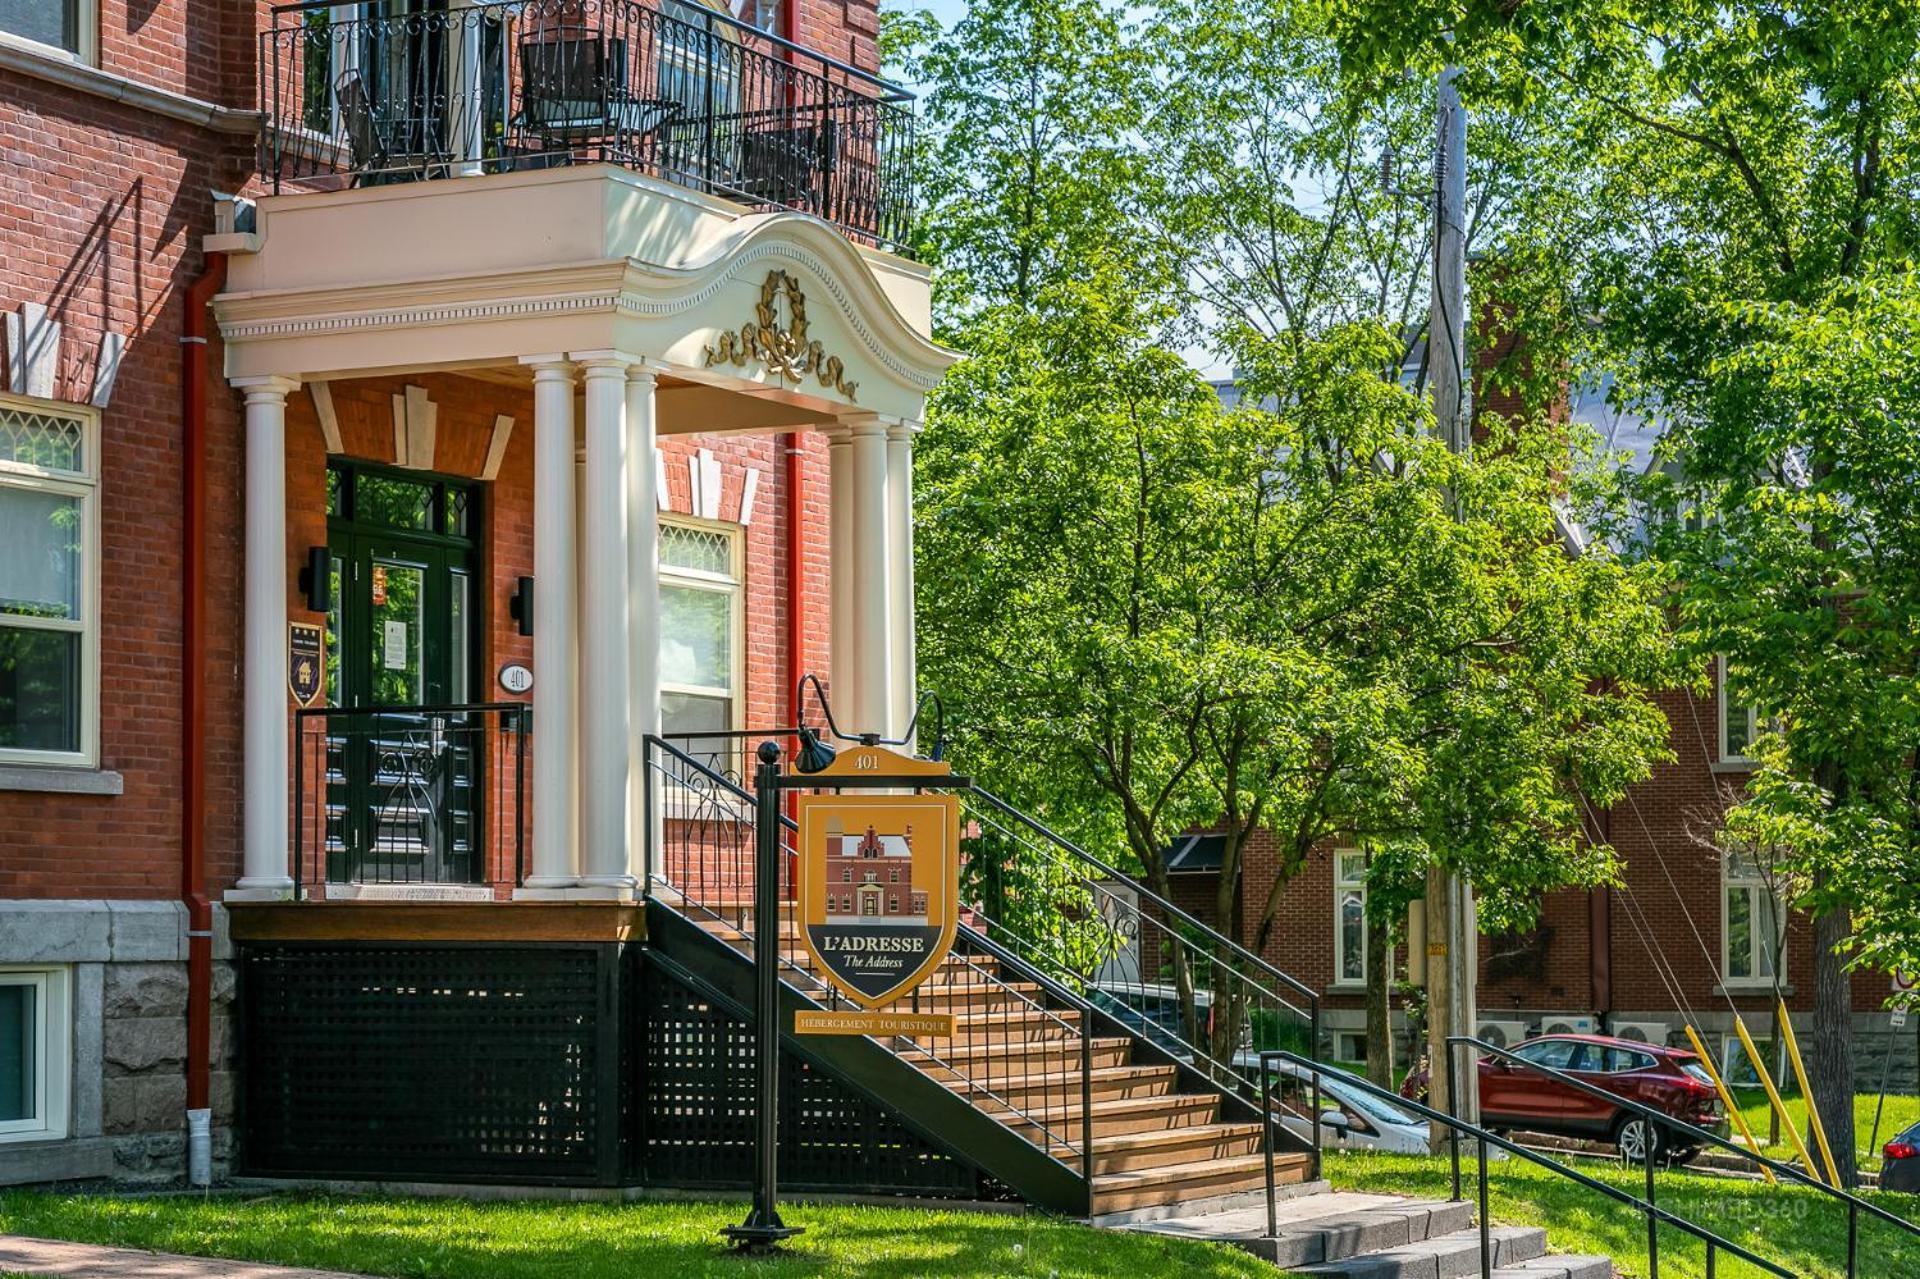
[(542, 356), (870, 876)]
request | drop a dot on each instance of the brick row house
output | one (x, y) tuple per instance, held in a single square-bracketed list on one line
[(1694, 934), (409, 407)]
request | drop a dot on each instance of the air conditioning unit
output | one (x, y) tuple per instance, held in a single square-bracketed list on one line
[(1502, 1034), (1552, 1025), (1646, 1032)]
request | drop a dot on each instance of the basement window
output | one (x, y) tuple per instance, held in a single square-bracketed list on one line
[(35, 1031)]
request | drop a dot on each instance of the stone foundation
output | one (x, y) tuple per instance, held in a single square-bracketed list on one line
[(126, 1114)]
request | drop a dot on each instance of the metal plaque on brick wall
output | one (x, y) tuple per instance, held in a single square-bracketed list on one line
[(879, 889), (306, 663)]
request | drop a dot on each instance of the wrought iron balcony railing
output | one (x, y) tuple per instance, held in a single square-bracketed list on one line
[(367, 94), (414, 795)]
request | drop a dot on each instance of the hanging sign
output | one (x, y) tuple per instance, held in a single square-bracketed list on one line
[(306, 662), (879, 891)]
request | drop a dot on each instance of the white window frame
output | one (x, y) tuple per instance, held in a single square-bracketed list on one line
[(86, 38), (1342, 884), (733, 583), (1723, 704), (84, 485), (1756, 886), (53, 1040)]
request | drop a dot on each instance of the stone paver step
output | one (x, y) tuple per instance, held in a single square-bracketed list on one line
[(1450, 1256)]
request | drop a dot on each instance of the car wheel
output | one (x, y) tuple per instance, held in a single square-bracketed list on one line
[(1637, 1140)]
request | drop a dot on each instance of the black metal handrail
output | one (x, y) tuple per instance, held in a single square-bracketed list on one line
[(977, 1074), (409, 795), (1238, 984), (1483, 1138), (1701, 1136), (665, 87)]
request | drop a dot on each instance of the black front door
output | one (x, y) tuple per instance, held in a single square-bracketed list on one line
[(404, 758)]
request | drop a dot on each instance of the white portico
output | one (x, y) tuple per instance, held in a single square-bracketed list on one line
[(627, 311)]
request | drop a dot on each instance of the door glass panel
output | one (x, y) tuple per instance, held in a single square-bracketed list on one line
[(382, 499), (396, 624), (458, 648), (336, 695)]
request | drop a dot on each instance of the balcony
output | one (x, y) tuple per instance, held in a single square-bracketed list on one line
[(669, 89)]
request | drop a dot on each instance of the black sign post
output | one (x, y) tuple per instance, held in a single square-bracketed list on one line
[(763, 1230), (863, 768)]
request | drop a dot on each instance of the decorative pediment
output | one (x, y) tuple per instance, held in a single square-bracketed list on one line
[(784, 349)]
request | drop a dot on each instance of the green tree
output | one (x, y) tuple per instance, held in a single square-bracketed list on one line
[(1745, 195)]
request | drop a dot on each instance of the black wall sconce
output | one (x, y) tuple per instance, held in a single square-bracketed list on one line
[(520, 605), (316, 580)]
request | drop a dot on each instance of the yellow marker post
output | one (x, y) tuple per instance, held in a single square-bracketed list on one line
[(1773, 1095), (1734, 1114), (1806, 1094)]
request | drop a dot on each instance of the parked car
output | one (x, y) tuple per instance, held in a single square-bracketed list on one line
[(1669, 1080), (1900, 1162), (1350, 1116)]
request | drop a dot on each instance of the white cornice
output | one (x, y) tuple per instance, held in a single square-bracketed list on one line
[(616, 286)]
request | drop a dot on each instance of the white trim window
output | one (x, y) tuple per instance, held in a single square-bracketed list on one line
[(36, 1033), (700, 631), (62, 28), (49, 583), (1739, 725), (1349, 917), (1752, 928)]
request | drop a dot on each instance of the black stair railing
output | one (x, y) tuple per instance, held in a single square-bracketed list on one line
[(1179, 982), (1024, 1055), (1691, 1135), (1483, 1140)]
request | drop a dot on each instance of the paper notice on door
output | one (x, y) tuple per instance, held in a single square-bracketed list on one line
[(395, 656)]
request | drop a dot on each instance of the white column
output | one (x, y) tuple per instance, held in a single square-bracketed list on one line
[(264, 681), (554, 737), (464, 125), (606, 655), (900, 572), (643, 600), (871, 711), (840, 571)]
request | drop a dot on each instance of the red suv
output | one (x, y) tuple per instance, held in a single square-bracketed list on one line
[(1670, 1080)]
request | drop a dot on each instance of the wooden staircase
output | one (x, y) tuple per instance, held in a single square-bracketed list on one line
[(1160, 1136)]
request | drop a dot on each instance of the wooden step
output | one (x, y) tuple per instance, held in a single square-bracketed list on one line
[(1183, 1183), (1012, 1062), (1203, 1143), (1059, 1089), (939, 995), (1118, 1116), (1011, 1024)]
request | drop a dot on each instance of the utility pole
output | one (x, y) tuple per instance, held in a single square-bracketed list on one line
[(1453, 935)]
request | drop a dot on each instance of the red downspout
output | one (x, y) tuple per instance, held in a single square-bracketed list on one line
[(193, 715)]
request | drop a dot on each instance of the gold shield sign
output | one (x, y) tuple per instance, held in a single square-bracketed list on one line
[(879, 885)]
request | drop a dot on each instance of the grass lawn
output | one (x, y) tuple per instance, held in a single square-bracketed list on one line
[(508, 1240), (1794, 1227), (1901, 1112)]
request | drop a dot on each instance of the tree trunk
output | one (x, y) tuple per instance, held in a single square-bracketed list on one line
[(1830, 1063), (1380, 1006)]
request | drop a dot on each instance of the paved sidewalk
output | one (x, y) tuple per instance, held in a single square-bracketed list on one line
[(46, 1257)]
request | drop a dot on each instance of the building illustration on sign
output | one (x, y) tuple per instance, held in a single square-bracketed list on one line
[(870, 879), (878, 880)]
